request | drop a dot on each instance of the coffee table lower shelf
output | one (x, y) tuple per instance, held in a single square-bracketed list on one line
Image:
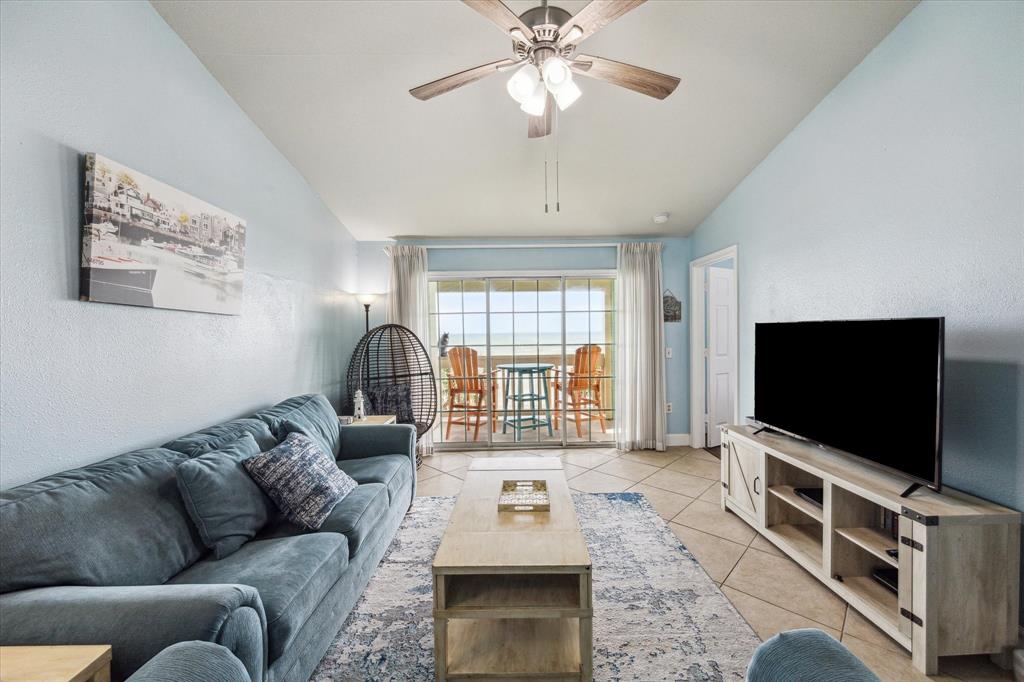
[(539, 648)]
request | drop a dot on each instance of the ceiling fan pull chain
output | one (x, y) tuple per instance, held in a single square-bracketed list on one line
[(545, 180), (558, 192)]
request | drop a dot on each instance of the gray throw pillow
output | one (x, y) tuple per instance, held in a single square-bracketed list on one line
[(225, 503), (302, 478)]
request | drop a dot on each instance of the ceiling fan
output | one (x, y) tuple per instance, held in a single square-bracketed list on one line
[(544, 41)]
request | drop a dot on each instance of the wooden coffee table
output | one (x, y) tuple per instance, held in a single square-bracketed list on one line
[(512, 590), (73, 663)]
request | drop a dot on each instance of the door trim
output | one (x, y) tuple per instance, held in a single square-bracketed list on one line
[(698, 437)]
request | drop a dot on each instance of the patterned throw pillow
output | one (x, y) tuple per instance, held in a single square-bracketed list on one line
[(302, 479)]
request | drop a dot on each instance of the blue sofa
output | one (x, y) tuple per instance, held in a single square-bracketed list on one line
[(108, 553)]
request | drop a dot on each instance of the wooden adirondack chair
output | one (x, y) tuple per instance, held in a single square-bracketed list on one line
[(467, 386), (583, 387)]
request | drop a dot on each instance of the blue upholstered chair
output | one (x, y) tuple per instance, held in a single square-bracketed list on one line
[(806, 655)]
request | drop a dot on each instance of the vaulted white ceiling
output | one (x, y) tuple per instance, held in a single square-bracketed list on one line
[(328, 83)]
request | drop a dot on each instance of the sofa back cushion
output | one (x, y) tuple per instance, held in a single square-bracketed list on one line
[(215, 437), (117, 522), (311, 415), (225, 503)]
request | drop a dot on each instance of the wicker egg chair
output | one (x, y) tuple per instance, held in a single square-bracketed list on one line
[(392, 369)]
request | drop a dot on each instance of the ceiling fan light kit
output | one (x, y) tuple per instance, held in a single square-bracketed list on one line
[(523, 83), (566, 95), (534, 104), (544, 41), (556, 74)]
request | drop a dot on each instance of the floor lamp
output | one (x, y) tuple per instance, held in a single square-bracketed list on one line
[(366, 300)]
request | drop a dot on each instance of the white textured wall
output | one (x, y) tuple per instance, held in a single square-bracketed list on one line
[(84, 381), (902, 194)]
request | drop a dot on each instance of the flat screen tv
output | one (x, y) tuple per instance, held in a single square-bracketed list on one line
[(870, 388)]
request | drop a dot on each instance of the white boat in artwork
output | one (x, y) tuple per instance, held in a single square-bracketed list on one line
[(110, 272), (222, 269)]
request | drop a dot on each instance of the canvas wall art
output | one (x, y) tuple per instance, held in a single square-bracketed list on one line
[(146, 243)]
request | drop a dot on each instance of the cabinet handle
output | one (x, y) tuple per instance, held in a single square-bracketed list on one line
[(757, 479)]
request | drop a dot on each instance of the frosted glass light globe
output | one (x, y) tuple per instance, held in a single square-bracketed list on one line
[(523, 83)]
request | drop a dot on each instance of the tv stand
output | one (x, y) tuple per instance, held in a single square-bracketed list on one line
[(957, 556), (910, 490)]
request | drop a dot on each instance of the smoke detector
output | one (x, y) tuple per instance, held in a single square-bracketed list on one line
[(661, 218)]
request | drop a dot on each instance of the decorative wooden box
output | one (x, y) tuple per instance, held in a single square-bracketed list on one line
[(524, 496)]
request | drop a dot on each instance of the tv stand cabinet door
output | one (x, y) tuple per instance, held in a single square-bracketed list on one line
[(743, 474)]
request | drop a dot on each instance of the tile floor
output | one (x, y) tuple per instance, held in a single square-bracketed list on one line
[(771, 592)]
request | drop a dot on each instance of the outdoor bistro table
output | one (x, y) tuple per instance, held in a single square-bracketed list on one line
[(535, 373)]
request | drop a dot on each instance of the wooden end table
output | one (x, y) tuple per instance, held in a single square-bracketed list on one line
[(84, 663), (512, 590), (374, 420)]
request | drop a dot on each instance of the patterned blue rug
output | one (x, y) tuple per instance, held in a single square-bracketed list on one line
[(657, 614)]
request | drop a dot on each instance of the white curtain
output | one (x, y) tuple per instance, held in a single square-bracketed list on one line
[(407, 301), (640, 422)]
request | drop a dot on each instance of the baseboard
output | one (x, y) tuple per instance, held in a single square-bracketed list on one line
[(674, 439)]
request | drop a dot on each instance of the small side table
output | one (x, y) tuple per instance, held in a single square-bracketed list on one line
[(84, 663), (374, 420)]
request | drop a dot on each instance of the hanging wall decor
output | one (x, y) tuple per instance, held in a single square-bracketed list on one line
[(148, 244), (673, 308)]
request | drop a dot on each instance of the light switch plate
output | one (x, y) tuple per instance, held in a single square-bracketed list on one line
[(668, 353)]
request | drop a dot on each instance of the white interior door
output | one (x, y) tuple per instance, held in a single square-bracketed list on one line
[(721, 351)]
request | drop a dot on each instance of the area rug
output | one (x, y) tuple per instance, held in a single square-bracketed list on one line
[(657, 614)]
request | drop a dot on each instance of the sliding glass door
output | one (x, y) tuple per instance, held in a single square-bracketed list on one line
[(523, 361)]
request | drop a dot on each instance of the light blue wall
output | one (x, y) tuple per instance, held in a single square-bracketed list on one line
[(84, 381), (901, 195), (675, 260)]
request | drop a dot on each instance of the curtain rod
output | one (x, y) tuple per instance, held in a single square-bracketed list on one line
[(521, 246)]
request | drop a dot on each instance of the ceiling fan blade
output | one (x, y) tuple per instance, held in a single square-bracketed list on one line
[(644, 81), (540, 126), (502, 16), (595, 16), (457, 80)]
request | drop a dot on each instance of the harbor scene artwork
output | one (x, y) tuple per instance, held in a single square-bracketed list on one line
[(145, 243)]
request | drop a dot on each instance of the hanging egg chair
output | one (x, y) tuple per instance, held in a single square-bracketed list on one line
[(392, 369)]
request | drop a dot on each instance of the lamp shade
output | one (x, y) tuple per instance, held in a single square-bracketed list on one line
[(523, 83), (556, 74), (566, 95), (534, 106), (366, 299)]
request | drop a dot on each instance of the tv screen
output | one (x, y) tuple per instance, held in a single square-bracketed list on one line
[(872, 388)]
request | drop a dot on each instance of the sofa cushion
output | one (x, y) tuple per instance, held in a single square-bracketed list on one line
[(312, 413), (301, 478), (291, 574), (225, 503), (394, 471), (355, 517), (359, 514), (214, 437), (118, 522)]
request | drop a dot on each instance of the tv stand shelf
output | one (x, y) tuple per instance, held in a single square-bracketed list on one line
[(872, 540), (787, 494), (958, 556)]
